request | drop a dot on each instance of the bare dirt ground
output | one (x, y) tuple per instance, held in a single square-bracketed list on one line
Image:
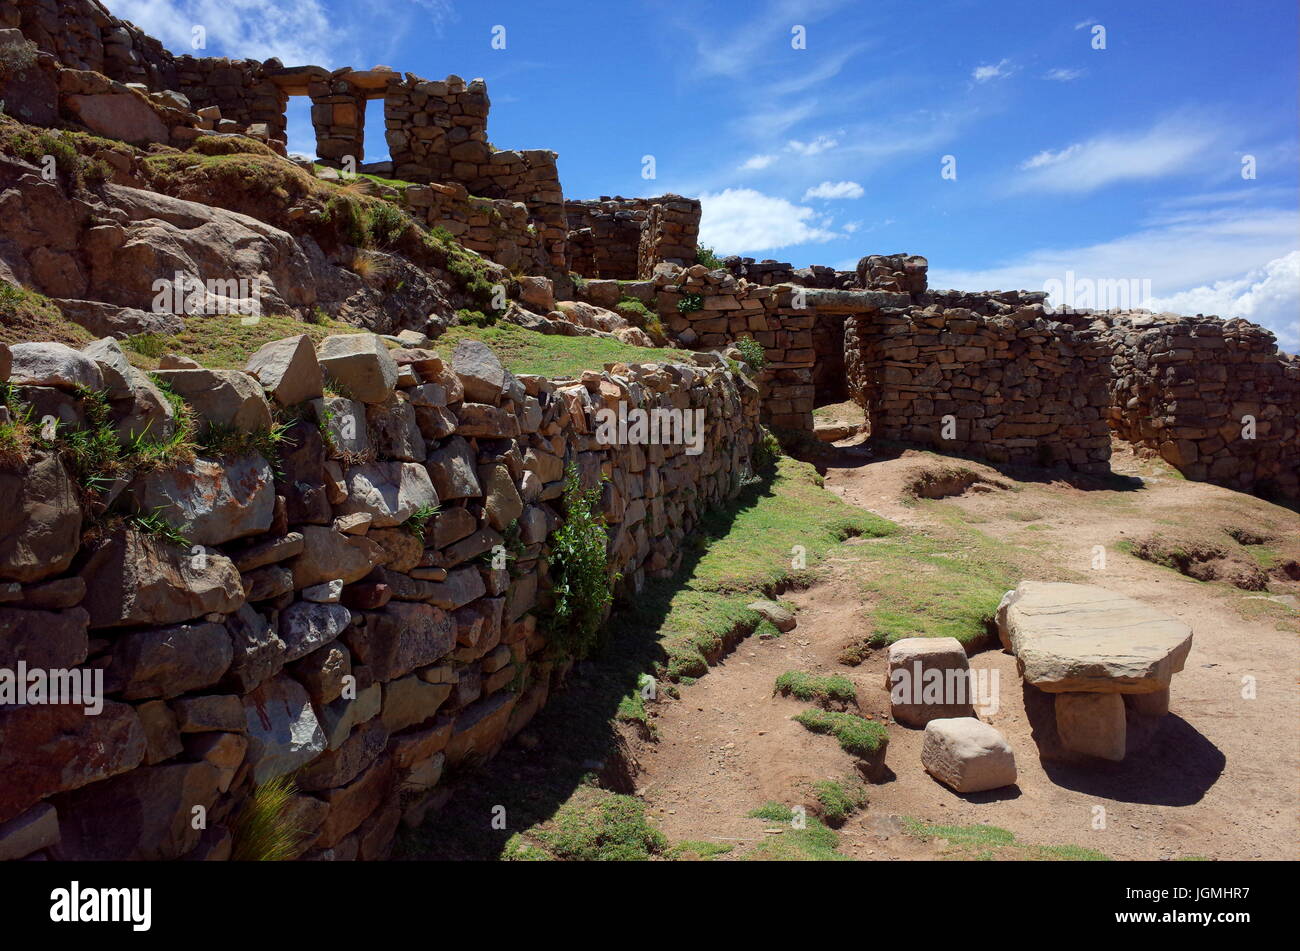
[(1217, 780)]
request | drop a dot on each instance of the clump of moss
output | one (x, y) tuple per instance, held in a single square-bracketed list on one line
[(837, 801)]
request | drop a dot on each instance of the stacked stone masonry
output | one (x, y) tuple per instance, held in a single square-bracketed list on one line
[(624, 238), (226, 661)]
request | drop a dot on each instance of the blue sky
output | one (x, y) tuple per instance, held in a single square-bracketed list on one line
[(1116, 163)]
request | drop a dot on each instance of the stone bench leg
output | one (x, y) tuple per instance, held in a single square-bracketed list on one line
[(1092, 723), (1148, 704)]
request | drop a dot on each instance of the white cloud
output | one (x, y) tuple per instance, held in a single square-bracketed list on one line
[(1063, 75), (1269, 295), (988, 72), (1084, 24), (756, 162), (1048, 157), (736, 220), (298, 32), (833, 190), (1165, 148), (1232, 262), (820, 144)]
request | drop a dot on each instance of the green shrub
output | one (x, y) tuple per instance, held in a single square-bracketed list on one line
[(613, 828), (710, 260), (753, 352), (690, 303), (475, 318), (579, 564), (385, 224), (767, 450)]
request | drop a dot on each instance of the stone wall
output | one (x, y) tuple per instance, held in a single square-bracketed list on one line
[(710, 310), (986, 375), (306, 627), (497, 229), (624, 238), (1183, 387)]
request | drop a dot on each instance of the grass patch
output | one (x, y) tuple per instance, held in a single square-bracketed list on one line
[(552, 355), (814, 842), (224, 342), (739, 553), (692, 850), (856, 735), (985, 843), (926, 585), (27, 316), (593, 826), (814, 689), (838, 800)]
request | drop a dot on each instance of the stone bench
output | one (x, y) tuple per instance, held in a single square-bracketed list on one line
[(1094, 649)]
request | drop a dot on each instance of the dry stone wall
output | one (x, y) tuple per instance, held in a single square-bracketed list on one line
[(624, 238), (987, 375), (1214, 398), (306, 626)]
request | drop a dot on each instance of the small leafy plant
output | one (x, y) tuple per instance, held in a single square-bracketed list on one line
[(583, 587)]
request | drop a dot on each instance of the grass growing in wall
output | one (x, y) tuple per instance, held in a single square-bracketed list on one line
[(223, 342), (708, 258), (264, 829), (417, 523), (753, 352)]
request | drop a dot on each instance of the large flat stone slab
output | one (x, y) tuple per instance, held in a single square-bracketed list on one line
[(1079, 637)]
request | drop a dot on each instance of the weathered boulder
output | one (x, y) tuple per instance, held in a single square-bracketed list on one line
[(390, 492), (211, 501), (53, 364), (168, 661), (344, 422), (258, 653), (113, 366), (51, 640), (1078, 637), (967, 755), (501, 499), (145, 815), (50, 748), (328, 554), (287, 370), (360, 365), (35, 829), (134, 578), (396, 430), (283, 731), (781, 617), (453, 470), (120, 114), (479, 370), (410, 700), (221, 397), (40, 520), (403, 636), (928, 679)]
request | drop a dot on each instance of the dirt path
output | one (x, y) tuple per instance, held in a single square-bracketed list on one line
[(1218, 779)]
